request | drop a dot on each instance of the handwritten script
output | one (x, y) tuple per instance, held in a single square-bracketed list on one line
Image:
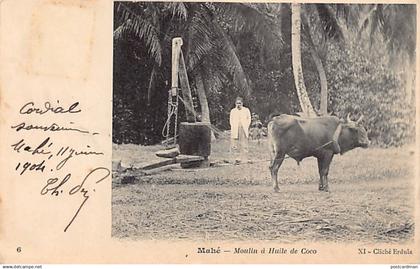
[(48, 158)]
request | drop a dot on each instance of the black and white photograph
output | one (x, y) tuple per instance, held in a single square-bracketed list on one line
[(278, 122)]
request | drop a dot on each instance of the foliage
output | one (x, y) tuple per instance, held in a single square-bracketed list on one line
[(147, 28), (363, 83), (235, 45), (396, 23), (133, 120)]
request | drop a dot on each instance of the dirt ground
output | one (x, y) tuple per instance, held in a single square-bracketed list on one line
[(371, 198)]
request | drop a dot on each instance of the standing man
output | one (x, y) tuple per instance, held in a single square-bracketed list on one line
[(240, 119)]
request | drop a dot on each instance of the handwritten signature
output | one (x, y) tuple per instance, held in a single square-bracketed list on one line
[(55, 187)]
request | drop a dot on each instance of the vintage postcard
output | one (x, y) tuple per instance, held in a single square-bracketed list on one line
[(208, 132)]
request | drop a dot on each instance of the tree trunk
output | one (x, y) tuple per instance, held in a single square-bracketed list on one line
[(201, 92), (302, 94), (151, 84), (323, 107), (186, 91), (179, 78)]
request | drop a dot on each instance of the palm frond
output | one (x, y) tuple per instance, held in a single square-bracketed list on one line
[(140, 27), (372, 21), (231, 61), (349, 13), (201, 38), (396, 24), (210, 45), (329, 22), (399, 29), (213, 77), (177, 9), (257, 18)]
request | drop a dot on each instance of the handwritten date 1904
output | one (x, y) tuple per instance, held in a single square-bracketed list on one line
[(30, 167), (55, 187)]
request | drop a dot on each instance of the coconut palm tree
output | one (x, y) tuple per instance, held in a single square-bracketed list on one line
[(319, 24), (222, 57), (302, 94), (154, 24), (329, 29)]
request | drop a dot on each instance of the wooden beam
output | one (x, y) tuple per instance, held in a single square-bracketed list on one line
[(180, 79), (176, 48), (188, 158), (186, 91), (178, 159), (156, 164)]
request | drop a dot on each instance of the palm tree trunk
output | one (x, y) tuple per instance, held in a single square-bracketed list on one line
[(323, 106), (201, 92), (151, 84), (302, 94), (186, 90), (202, 88)]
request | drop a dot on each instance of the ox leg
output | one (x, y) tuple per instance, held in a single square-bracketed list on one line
[(323, 168), (274, 168)]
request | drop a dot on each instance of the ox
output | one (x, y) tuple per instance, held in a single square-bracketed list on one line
[(320, 137)]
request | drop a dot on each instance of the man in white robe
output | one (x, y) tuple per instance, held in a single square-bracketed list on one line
[(240, 119)]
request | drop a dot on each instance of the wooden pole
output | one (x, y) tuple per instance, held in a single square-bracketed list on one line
[(176, 48), (186, 90), (180, 78)]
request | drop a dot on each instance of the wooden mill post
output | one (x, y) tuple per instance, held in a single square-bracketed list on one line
[(179, 70), (194, 137)]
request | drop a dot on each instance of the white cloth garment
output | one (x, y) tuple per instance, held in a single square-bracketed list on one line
[(239, 119), (239, 147)]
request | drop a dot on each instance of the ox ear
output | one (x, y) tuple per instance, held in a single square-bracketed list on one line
[(360, 119)]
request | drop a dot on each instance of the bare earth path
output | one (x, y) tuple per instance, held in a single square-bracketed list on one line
[(371, 199)]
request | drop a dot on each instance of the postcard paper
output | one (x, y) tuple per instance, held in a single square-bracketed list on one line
[(90, 89)]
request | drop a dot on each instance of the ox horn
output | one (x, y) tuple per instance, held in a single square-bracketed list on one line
[(361, 117), (348, 118)]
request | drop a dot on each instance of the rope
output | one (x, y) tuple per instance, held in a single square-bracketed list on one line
[(167, 123), (176, 119), (172, 110)]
